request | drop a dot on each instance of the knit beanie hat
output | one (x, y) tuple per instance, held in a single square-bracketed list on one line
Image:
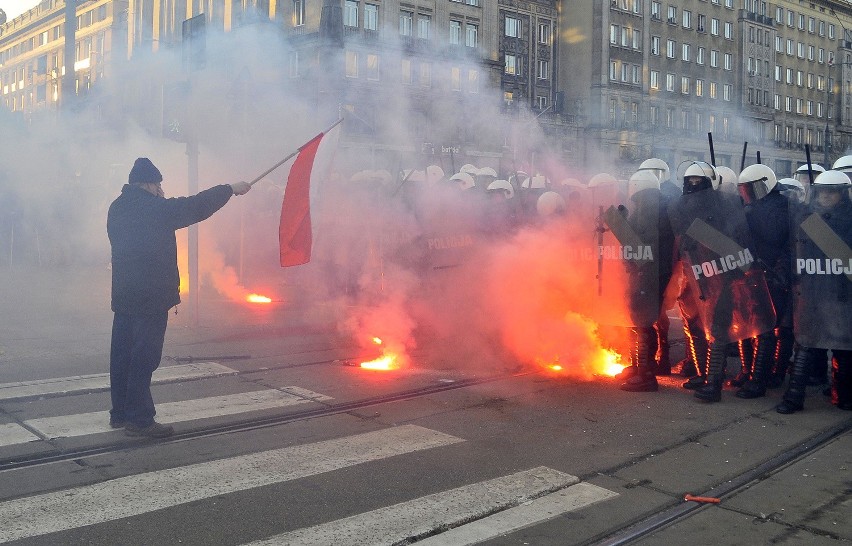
[(143, 172)]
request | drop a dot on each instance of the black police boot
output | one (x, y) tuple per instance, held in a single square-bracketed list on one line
[(794, 399), (818, 373), (698, 348), (841, 379), (664, 363), (687, 368), (763, 356), (783, 355), (746, 352), (644, 379), (712, 391)]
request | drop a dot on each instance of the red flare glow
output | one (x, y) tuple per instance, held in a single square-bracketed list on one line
[(257, 298), (386, 362), (609, 363)]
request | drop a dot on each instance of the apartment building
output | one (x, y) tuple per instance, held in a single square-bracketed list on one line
[(614, 81)]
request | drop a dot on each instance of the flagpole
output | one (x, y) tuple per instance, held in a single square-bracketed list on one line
[(294, 154)]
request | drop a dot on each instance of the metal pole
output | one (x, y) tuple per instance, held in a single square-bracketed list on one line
[(192, 240)]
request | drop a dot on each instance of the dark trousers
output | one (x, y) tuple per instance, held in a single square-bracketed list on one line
[(135, 352)]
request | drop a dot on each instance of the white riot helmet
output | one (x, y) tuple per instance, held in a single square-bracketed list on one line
[(487, 171), (642, 180), (828, 183), (657, 166), (801, 174), (727, 180), (434, 173), (703, 170), (792, 189), (501, 186), (843, 164), (602, 179), (537, 182), (518, 179), (756, 181), (464, 180), (550, 203), (469, 169)]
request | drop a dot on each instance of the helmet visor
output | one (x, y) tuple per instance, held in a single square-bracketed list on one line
[(752, 191)]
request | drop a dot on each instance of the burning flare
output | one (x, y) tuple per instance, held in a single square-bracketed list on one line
[(609, 362), (388, 361), (257, 298)]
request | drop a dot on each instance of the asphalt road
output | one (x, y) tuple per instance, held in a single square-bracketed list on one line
[(281, 441)]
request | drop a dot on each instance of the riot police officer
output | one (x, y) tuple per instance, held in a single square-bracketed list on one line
[(822, 289)]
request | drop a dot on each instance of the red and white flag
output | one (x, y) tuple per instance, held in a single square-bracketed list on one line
[(295, 236)]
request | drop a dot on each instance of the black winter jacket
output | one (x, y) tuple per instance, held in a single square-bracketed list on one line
[(141, 229)]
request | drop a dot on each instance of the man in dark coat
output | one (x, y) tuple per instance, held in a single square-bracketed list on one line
[(141, 225)]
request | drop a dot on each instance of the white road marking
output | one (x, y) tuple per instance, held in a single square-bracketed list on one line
[(531, 513), (120, 498), (13, 433), (175, 412), (100, 381), (425, 515)]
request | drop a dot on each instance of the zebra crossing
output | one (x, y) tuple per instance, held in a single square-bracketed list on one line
[(466, 514)]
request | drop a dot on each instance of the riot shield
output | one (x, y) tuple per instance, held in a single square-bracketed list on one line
[(638, 250), (822, 276), (713, 241)]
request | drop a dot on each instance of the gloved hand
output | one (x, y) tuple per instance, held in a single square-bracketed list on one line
[(240, 188)]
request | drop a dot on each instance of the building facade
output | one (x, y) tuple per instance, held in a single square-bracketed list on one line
[(610, 82)]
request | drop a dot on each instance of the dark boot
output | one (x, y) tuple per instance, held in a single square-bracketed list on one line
[(763, 358), (716, 356), (746, 352), (783, 355), (644, 350), (698, 350), (664, 363), (841, 379), (818, 373), (794, 399)]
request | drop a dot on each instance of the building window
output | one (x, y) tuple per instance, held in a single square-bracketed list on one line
[(511, 65), (670, 49), (542, 102), (424, 24), (702, 22), (672, 18), (405, 71), (473, 81), (729, 61), (455, 32), (543, 70), (655, 45), (626, 36), (655, 79), (351, 64), (714, 26), (471, 36), (371, 16), (699, 57), (655, 11), (685, 52), (670, 82), (613, 34), (712, 90), (637, 39), (426, 74), (455, 78), (777, 102), (714, 58), (687, 18), (350, 13), (699, 88), (544, 33), (684, 85), (831, 31), (729, 30), (513, 27), (298, 13), (406, 23), (372, 67)]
